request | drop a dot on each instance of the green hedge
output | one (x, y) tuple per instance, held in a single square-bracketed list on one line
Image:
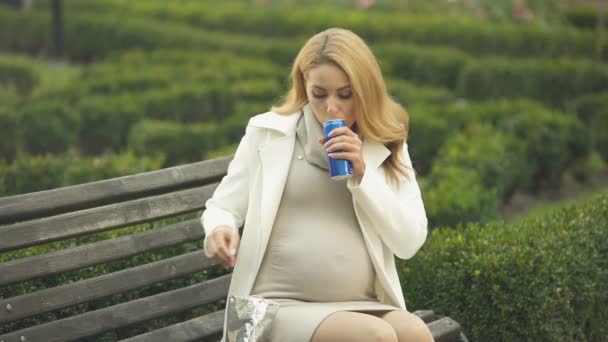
[(476, 170), (47, 126), (553, 140), (540, 280), (177, 143), (500, 159), (475, 36), (546, 81), (91, 36), (106, 123), (137, 70), (582, 17), (35, 173), (8, 129), (409, 94), (551, 82), (593, 111), (18, 75), (427, 65), (456, 195)]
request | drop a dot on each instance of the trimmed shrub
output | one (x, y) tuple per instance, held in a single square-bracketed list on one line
[(408, 94), (581, 17), (47, 126), (455, 194), (256, 90), (499, 159), (551, 82), (433, 66), (539, 280), (428, 132), (232, 128), (178, 143), (188, 103), (593, 111), (8, 128), (17, 75), (24, 31), (472, 35), (36, 173), (106, 122)]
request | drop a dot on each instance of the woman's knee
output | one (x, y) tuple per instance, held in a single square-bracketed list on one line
[(408, 326), (353, 326)]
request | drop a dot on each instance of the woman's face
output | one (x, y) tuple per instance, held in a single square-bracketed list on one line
[(330, 94)]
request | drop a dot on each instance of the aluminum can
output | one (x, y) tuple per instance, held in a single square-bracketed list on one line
[(338, 168)]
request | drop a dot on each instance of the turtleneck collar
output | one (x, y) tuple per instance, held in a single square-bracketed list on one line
[(308, 133)]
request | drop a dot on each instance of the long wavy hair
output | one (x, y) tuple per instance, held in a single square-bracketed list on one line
[(378, 117)]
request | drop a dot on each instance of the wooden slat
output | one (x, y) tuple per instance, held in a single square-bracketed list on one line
[(426, 315), (444, 330), (77, 197), (101, 219), (121, 315), (192, 330), (94, 288), (15, 271)]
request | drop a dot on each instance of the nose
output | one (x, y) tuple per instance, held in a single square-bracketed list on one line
[(332, 107)]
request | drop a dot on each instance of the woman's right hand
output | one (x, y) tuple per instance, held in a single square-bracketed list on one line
[(222, 245)]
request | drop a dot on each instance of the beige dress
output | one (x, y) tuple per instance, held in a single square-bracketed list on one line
[(316, 262)]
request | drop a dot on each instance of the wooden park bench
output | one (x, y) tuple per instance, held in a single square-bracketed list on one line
[(61, 216)]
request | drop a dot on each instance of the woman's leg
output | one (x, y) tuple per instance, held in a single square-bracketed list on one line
[(346, 326), (409, 327)]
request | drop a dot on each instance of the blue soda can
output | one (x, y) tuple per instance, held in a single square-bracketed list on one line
[(338, 168)]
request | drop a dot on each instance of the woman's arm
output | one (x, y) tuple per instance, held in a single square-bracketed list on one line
[(398, 215), (228, 205)]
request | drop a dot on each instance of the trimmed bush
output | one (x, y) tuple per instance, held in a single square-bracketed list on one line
[(408, 94), (455, 194), (178, 143), (551, 82), (499, 159), (106, 122), (25, 32), (47, 126), (188, 103), (20, 76), (540, 280), (593, 111), (8, 129), (428, 131), (581, 17), (475, 36), (428, 65), (232, 128), (36, 173)]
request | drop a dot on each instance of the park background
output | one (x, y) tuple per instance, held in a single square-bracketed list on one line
[(508, 102)]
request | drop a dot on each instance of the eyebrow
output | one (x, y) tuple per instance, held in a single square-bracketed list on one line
[(316, 86)]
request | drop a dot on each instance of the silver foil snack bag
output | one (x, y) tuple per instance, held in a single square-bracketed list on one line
[(249, 319)]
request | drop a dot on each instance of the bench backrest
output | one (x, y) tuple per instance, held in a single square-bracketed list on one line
[(81, 232)]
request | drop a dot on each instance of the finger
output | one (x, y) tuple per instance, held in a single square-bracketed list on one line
[(343, 147), (222, 248), (341, 131), (233, 243), (341, 138), (353, 157)]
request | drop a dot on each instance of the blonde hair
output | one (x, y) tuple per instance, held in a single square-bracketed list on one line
[(378, 117)]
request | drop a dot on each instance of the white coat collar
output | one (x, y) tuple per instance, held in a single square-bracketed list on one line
[(374, 153)]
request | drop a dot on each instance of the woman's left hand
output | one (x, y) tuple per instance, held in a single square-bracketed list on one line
[(345, 144)]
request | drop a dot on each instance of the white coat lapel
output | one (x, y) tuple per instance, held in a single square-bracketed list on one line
[(275, 161)]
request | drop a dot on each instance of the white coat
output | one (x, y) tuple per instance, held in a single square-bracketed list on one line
[(393, 222)]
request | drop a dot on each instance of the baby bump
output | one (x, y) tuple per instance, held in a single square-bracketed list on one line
[(323, 270)]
